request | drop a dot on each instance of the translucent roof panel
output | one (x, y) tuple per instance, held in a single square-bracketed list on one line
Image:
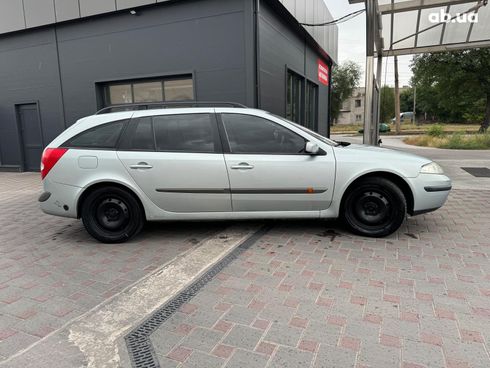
[(415, 26), (481, 30)]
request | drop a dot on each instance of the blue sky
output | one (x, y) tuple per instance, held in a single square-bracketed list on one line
[(352, 38)]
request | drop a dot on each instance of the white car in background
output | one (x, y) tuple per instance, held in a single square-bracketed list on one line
[(117, 170)]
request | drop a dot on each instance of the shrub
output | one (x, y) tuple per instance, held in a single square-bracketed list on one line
[(436, 130)]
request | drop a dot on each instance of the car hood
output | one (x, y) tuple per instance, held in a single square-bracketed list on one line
[(373, 158)]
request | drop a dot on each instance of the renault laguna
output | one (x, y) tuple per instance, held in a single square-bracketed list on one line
[(116, 170)]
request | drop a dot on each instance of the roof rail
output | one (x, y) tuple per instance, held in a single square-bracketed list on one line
[(166, 105)]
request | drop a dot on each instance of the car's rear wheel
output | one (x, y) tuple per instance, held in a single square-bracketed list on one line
[(112, 215), (374, 207)]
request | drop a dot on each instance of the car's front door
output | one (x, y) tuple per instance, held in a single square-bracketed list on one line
[(177, 161), (269, 169)]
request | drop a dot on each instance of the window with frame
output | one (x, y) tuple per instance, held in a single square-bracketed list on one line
[(358, 117), (173, 133), (254, 135), (358, 103), (150, 90), (311, 121), (103, 136), (294, 98)]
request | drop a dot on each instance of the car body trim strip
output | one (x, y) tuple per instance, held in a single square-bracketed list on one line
[(244, 191)]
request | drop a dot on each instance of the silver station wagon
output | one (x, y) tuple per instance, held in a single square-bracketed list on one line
[(116, 170)]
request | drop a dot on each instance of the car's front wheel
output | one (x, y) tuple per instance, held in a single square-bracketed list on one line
[(374, 207), (112, 215)]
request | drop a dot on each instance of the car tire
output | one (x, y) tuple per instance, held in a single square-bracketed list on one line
[(374, 207), (112, 215)]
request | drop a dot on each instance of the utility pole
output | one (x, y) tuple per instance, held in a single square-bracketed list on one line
[(415, 105), (397, 98)]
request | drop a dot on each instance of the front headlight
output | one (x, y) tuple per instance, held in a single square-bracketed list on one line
[(432, 168)]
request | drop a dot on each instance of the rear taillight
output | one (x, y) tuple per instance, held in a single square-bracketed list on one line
[(50, 158)]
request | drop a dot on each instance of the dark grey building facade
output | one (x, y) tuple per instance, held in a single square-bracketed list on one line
[(63, 60)]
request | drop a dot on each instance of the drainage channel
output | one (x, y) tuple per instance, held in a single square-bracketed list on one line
[(138, 341)]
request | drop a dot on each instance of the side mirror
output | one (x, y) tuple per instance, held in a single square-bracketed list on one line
[(312, 148)]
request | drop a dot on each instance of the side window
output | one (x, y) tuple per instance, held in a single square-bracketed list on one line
[(103, 136), (139, 136), (251, 134), (185, 133)]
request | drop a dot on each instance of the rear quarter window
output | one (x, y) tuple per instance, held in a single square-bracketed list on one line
[(105, 136)]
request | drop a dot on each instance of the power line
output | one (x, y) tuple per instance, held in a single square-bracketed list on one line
[(343, 19)]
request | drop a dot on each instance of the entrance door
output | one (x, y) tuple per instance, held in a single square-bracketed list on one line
[(30, 135)]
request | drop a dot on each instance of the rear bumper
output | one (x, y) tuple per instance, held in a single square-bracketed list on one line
[(430, 192), (59, 199)]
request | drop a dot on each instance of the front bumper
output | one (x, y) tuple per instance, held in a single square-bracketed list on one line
[(430, 192), (59, 199)]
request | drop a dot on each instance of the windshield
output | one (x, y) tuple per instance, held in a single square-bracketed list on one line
[(310, 132)]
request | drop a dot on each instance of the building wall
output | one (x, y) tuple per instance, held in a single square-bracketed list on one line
[(17, 15), (282, 49), (352, 112), (61, 65)]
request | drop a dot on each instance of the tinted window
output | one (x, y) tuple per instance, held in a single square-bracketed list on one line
[(251, 134), (139, 136), (187, 133), (102, 136)]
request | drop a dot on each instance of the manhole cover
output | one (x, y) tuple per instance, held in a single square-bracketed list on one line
[(479, 172)]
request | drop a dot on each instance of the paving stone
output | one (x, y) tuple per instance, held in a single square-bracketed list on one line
[(287, 357), (334, 357), (243, 337), (164, 341), (240, 314), (283, 334), (199, 360), (202, 339), (247, 359)]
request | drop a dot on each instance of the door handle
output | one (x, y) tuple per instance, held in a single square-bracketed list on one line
[(141, 165), (242, 166)]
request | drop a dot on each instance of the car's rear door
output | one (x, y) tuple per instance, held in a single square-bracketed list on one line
[(269, 170), (177, 160)]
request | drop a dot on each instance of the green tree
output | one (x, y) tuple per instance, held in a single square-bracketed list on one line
[(387, 104), (406, 100), (452, 85), (345, 78)]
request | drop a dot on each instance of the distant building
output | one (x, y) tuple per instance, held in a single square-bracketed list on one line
[(352, 111)]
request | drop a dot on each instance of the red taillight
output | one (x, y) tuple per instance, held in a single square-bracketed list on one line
[(50, 158)]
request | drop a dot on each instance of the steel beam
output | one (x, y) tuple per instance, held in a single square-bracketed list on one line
[(408, 5), (437, 48)]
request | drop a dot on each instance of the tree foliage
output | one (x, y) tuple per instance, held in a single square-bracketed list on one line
[(345, 78), (454, 86), (406, 100), (387, 104)]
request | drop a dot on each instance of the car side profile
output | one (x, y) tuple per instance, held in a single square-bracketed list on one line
[(117, 170)]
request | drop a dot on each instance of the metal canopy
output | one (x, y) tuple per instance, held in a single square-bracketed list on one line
[(404, 27), (418, 26)]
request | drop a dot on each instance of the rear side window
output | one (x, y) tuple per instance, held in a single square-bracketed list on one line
[(173, 133), (186, 133), (103, 136), (139, 136)]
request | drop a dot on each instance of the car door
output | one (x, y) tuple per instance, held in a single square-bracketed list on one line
[(177, 160), (269, 170)]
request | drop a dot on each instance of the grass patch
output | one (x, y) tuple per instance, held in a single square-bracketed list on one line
[(411, 128), (452, 141)]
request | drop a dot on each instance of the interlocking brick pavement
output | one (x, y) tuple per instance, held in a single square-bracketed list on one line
[(51, 271), (304, 296)]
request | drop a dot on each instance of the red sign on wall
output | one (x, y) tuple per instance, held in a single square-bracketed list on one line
[(323, 72)]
